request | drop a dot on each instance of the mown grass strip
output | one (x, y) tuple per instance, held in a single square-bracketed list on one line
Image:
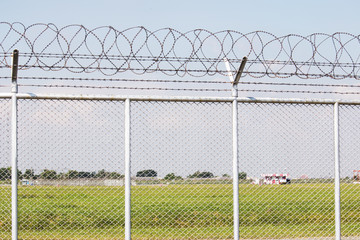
[(180, 211)]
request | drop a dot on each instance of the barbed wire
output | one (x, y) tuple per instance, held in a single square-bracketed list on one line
[(188, 89), (297, 91), (195, 53), (291, 87), (126, 88), (124, 80), (184, 81)]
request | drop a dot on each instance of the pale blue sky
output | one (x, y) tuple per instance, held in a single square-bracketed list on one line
[(277, 17), (280, 17)]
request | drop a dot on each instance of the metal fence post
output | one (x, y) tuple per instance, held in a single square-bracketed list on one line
[(14, 167), (337, 173), (235, 166), (127, 172), (235, 144)]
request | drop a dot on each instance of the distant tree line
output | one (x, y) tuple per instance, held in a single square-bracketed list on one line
[(146, 173), (199, 174), (173, 176), (5, 174), (242, 175)]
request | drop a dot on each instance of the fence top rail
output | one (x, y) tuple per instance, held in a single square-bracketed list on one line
[(179, 98)]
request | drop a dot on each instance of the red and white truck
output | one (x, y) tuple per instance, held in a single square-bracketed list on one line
[(276, 178)]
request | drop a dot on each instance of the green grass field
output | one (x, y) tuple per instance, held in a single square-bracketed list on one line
[(180, 211)]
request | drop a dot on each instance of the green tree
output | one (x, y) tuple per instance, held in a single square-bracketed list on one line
[(48, 174), (101, 174), (114, 175), (19, 174), (194, 175), (87, 174), (242, 175), (110, 175), (29, 174), (172, 176), (146, 173), (72, 174), (5, 173), (199, 174)]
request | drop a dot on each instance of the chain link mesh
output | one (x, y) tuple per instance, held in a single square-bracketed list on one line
[(5, 171), (349, 119), (281, 144), (71, 153), (71, 170), (181, 166)]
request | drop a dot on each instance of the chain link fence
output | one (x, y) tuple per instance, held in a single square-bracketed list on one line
[(350, 166), (294, 142), (71, 162), (5, 171), (72, 155), (188, 145)]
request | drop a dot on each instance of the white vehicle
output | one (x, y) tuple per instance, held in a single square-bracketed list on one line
[(276, 178)]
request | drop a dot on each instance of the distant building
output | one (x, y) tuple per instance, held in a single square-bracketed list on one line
[(26, 182), (276, 178)]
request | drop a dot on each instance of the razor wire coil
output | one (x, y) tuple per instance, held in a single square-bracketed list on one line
[(195, 53)]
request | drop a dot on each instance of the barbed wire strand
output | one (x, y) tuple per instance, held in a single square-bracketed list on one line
[(124, 80), (257, 74), (298, 91), (179, 59), (190, 81), (125, 88), (189, 89)]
